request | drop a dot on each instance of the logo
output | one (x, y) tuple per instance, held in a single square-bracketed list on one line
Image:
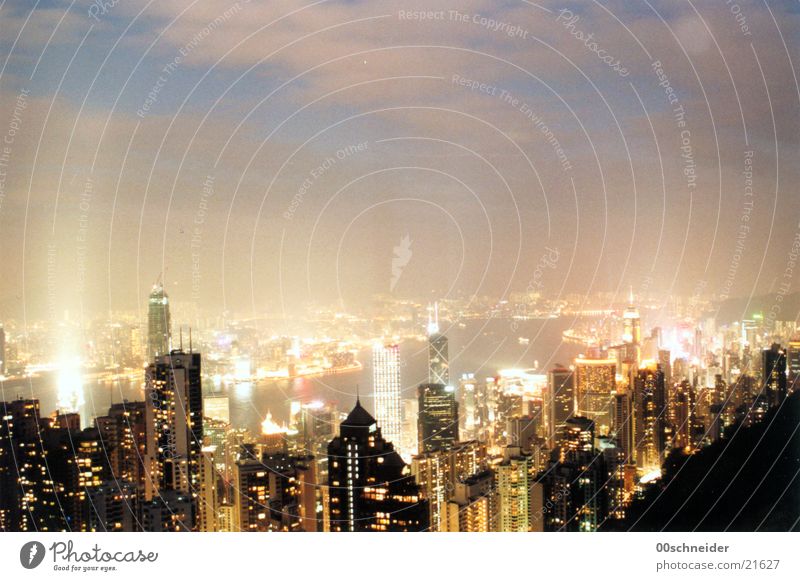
[(401, 258), (31, 554)]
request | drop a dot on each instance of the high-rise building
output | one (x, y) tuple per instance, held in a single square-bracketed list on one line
[(438, 358), (370, 488), (665, 361), (650, 412), (124, 435), (438, 472), (793, 364), (438, 417), (595, 384), (114, 508), (470, 418), (78, 464), (624, 425), (515, 491), (561, 399), (633, 329), (573, 483), (28, 499), (774, 374), (174, 417), (386, 380), (158, 323), (473, 505)]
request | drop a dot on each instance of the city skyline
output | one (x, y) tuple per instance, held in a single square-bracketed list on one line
[(357, 266)]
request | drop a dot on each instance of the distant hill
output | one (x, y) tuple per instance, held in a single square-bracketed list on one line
[(771, 505), (736, 309)]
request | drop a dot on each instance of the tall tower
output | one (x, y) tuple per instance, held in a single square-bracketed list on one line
[(633, 326), (174, 417), (595, 384), (650, 414), (561, 395), (438, 360), (774, 370), (158, 323), (438, 417), (386, 377), (370, 487)]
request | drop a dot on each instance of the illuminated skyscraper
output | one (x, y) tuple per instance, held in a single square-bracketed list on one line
[(174, 418), (370, 487), (574, 496), (438, 417), (515, 490), (633, 325), (386, 378), (158, 323), (438, 359), (774, 374), (595, 385), (793, 363), (651, 417), (438, 472), (124, 435), (471, 420), (473, 506), (28, 499), (623, 426), (561, 396)]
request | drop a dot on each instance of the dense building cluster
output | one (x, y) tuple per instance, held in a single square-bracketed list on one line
[(568, 450)]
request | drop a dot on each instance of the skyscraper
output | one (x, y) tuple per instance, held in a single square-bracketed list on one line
[(561, 394), (515, 490), (793, 364), (473, 506), (595, 384), (28, 499), (438, 417), (632, 322), (438, 472), (574, 495), (174, 417), (774, 374), (438, 359), (370, 487), (158, 323), (386, 377), (650, 413)]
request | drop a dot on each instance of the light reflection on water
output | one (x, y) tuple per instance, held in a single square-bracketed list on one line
[(481, 346)]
